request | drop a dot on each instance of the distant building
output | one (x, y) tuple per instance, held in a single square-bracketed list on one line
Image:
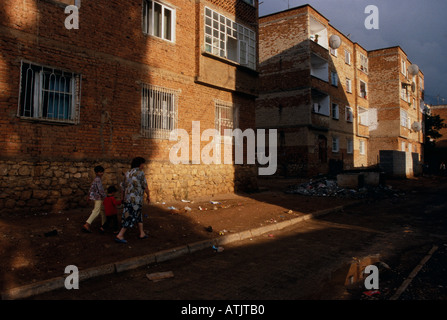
[(397, 104), (327, 103)]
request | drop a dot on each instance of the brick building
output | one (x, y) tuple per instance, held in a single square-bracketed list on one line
[(312, 93), (328, 104), (114, 89), (397, 105)]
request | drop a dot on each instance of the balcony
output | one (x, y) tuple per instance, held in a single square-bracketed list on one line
[(319, 67), (318, 33)]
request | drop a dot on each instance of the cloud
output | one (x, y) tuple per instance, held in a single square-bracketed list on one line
[(416, 26)]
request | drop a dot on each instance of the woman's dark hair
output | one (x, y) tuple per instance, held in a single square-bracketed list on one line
[(136, 162), (99, 169)]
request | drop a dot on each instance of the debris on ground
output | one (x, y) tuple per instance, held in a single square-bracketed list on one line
[(325, 187), (218, 249), (158, 276)]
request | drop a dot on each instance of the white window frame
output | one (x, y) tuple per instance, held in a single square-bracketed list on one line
[(403, 118), (403, 146), (335, 144), (334, 52), (349, 146), (348, 85), (363, 63), (347, 57), (49, 94), (159, 111), (363, 94), (335, 110), (334, 78), (223, 35), (403, 68), (149, 20), (349, 114), (362, 146)]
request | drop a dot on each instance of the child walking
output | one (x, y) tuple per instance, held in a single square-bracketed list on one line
[(110, 210), (96, 194)]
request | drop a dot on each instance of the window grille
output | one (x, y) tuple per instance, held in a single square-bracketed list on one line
[(226, 116), (49, 94), (158, 111)]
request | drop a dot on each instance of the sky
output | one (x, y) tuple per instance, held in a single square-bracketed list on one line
[(418, 27)]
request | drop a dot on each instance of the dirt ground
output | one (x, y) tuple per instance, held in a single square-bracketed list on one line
[(38, 246)]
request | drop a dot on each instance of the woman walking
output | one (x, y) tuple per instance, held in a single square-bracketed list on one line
[(134, 186)]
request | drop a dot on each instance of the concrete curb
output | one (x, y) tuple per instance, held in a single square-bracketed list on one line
[(44, 286)]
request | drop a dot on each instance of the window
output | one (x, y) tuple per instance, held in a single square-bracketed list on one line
[(363, 63), (347, 57), (226, 116), (362, 147), (252, 2), (158, 111), (410, 147), (403, 118), (350, 146), (335, 144), (403, 68), (349, 114), (334, 52), (403, 146), (404, 92), (158, 20), (334, 78), (348, 85), (49, 94), (335, 111), (363, 89), (228, 39)]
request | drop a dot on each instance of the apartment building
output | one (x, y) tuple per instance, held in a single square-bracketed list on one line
[(315, 95), (396, 105), (114, 88), (335, 106)]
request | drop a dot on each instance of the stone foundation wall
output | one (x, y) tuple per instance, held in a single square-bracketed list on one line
[(52, 186)]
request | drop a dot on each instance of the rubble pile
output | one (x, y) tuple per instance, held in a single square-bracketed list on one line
[(329, 188)]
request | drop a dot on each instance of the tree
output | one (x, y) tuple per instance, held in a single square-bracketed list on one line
[(433, 124)]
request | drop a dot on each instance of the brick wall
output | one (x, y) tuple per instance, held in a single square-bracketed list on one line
[(115, 58)]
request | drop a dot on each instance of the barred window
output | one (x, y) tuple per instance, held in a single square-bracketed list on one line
[(230, 40), (49, 94), (158, 111), (226, 116)]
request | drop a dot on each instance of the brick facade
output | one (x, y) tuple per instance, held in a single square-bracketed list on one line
[(114, 59), (328, 105), (392, 100), (290, 85)]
